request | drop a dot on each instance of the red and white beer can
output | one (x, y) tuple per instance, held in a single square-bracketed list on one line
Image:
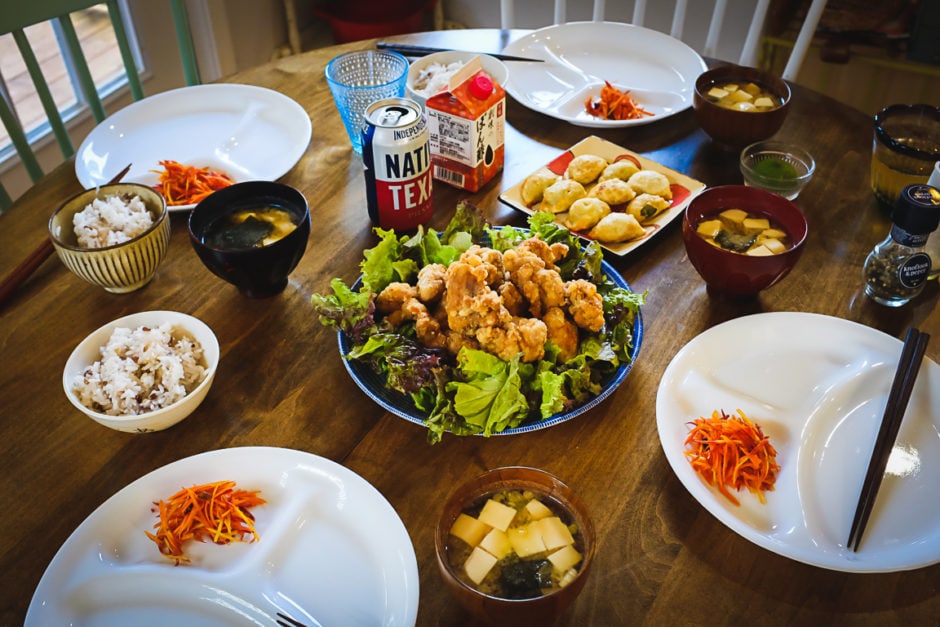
[(397, 159)]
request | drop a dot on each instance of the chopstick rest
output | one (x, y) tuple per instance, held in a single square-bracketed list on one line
[(912, 353)]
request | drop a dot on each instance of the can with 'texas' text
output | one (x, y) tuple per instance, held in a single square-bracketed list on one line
[(397, 159)]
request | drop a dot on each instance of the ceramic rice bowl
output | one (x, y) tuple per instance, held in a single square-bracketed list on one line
[(119, 268), (88, 351)]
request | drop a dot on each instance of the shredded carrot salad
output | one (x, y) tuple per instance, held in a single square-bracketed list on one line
[(213, 512), (615, 105), (186, 185), (731, 451)]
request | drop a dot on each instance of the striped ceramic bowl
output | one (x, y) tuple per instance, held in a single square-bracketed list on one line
[(121, 267)]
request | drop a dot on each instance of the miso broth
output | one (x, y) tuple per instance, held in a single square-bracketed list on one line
[(743, 97), (250, 228), (516, 544), (744, 232)]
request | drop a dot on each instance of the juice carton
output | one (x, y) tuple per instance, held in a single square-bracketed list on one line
[(468, 128)]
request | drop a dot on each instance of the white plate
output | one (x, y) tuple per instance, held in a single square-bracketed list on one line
[(683, 188), (657, 69), (817, 386), (250, 133), (332, 551)]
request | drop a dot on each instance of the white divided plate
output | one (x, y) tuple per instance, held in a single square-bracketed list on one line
[(657, 69), (817, 386), (332, 551), (250, 133)]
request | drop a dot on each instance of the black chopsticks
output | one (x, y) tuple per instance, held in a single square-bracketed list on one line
[(421, 51), (915, 344)]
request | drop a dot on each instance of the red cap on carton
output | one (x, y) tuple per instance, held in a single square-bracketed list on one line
[(481, 86)]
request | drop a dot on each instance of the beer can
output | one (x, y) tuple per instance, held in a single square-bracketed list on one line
[(397, 159)]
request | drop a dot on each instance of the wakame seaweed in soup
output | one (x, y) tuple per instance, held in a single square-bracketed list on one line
[(249, 228)]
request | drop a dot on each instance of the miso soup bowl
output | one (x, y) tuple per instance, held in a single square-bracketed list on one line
[(735, 274), (732, 129), (119, 268), (256, 272), (541, 610)]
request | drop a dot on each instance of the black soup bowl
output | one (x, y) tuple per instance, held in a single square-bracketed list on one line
[(239, 255)]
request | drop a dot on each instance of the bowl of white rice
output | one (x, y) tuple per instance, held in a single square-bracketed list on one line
[(430, 75), (113, 236), (143, 372)]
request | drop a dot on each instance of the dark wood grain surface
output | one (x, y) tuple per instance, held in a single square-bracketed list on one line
[(662, 558)]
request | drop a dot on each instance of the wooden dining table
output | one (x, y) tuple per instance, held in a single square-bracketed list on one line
[(661, 559)]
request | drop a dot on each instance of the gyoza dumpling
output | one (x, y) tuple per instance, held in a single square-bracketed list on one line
[(622, 169), (617, 227), (646, 206), (585, 168), (650, 182), (558, 196), (534, 185), (613, 191), (585, 213)]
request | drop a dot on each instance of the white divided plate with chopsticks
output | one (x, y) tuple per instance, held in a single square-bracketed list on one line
[(817, 386)]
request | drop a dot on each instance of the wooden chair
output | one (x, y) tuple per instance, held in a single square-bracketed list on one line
[(19, 14), (749, 49)]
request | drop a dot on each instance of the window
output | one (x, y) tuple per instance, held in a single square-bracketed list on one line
[(94, 30)]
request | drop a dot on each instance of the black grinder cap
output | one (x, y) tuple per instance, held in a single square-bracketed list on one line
[(917, 209)]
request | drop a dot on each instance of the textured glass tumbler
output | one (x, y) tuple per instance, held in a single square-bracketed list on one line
[(905, 148), (357, 79)]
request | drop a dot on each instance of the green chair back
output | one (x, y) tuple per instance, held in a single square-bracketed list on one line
[(22, 13)]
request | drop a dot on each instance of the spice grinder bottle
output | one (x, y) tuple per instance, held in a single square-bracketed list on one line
[(897, 268)]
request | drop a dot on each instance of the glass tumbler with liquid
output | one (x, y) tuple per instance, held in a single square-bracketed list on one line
[(906, 146)]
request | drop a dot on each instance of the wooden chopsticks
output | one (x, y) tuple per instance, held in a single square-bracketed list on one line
[(39, 254), (915, 344), (421, 51)]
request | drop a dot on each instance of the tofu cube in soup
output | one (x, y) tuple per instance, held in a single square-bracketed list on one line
[(555, 533), (717, 93), (469, 529), (496, 543), (759, 251), (526, 540), (564, 559), (497, 515), (770, 233), (537, 509), (733, 218), (479, 564), (755, 225), (709, 228)]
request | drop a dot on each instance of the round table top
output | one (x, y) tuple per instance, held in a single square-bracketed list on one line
[(661, 559)]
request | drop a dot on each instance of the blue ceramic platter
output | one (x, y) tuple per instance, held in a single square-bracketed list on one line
[(373, 384)]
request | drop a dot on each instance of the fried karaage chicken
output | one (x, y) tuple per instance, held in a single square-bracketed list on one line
[(507, 304)]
